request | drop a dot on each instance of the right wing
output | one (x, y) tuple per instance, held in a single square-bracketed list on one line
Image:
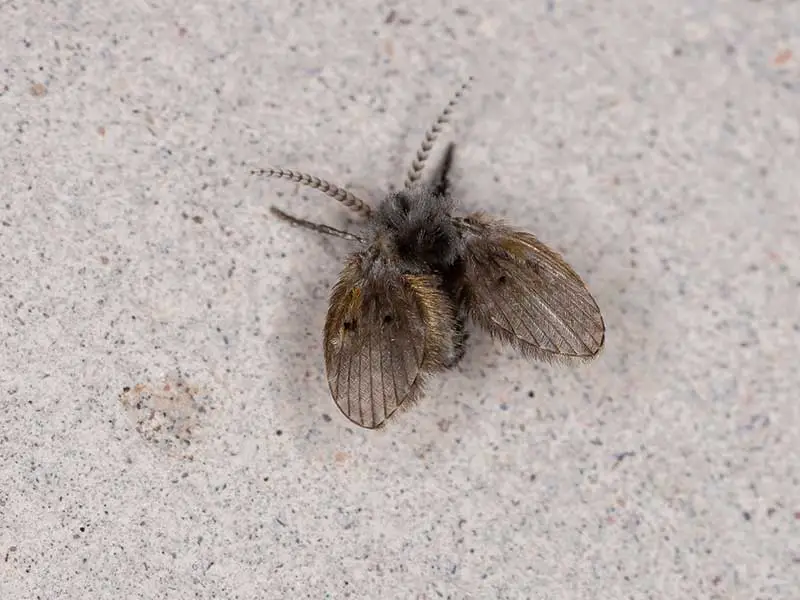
[(525, 294)]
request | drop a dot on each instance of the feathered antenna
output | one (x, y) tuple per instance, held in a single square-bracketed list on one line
[(415, 171), (349, 200)]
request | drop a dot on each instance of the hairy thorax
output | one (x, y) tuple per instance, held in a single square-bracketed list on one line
[(415, 228)]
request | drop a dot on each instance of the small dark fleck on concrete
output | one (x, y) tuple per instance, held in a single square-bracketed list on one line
[(326, 417), (279, 432), (746, 515), (197, 219), (620, 457)]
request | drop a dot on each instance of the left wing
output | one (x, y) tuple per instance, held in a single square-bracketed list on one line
[(383, 336)]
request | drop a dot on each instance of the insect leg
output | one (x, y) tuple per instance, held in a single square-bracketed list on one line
[(459, 347), (441, 180), (460, 337), (318, 227), (460, 302)]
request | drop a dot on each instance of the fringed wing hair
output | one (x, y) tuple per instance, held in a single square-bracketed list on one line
[(523, 293), (383, 335)]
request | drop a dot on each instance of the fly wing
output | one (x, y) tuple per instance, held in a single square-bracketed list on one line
[(524, 293), (383, 335)]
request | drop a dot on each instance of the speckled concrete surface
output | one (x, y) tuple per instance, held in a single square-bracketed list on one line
[(167, 431)]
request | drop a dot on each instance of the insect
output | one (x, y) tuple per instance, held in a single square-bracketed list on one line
[(399, 310)]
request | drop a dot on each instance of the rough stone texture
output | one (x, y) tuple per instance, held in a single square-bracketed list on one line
[(166, 428)]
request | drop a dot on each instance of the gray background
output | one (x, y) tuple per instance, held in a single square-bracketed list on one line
[(167, 431)]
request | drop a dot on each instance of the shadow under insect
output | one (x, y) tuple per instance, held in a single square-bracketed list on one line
[(399, 310)]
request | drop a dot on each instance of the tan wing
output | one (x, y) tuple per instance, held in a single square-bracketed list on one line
[(525, 294), (383, 335)]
